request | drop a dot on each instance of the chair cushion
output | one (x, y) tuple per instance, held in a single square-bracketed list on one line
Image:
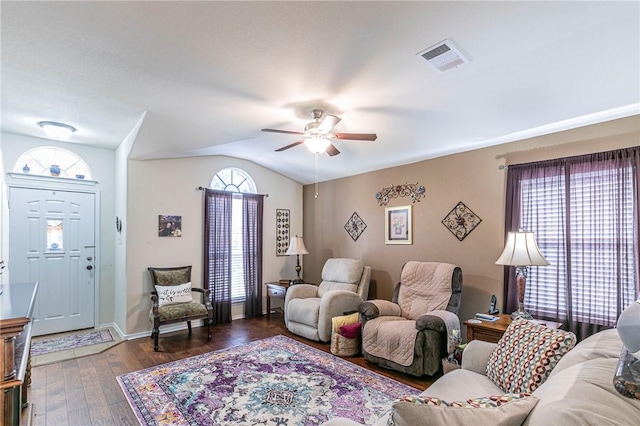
[(179, 311), (510, 409), (424, 287), (173, 276), (304, 311), (346, 271), (171, 294), (526, 354)]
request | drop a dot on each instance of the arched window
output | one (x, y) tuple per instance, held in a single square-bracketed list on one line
[(52, 161), (233, 180), (236, 181)]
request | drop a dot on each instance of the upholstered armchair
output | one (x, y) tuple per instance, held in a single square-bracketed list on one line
[(173, 301), (420, 326), (308, 309)]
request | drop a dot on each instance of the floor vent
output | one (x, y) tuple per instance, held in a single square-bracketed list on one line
[(443, 56)]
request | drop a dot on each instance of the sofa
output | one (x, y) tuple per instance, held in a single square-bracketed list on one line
[(578, 391)]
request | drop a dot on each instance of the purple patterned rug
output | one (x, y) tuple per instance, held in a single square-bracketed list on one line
[(71, 341), (275, 381)]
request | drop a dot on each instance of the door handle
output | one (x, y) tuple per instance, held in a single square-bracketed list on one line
[(89, 258), (89, 267)]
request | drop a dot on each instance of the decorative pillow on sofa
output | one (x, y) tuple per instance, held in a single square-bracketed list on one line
[(510, 409), (171, 294), (526, 354)]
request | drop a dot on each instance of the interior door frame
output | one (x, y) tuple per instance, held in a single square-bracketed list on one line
[(96, 225)]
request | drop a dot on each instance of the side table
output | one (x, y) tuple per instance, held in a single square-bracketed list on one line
[(493, 331), (277, 290)]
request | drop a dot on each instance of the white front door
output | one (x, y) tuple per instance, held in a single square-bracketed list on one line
[(52, 241)]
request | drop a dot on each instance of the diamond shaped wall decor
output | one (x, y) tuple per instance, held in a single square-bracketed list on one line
[(461, 221), (355, 226)]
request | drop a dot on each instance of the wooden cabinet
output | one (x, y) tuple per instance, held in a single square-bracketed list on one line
[(16, 309)]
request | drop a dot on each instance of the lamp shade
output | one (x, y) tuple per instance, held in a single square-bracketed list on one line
[(521, 250), (629, 328), (296, 246), (317, 145)]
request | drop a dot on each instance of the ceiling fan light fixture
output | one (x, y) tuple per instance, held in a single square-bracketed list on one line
[(55, 130), (317, 145)]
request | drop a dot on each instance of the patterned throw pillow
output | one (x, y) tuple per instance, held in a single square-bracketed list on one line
[(172, 294), (510, 409), (526, 354)]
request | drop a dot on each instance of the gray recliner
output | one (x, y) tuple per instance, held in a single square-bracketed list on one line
[(308, 309), (420, 326)]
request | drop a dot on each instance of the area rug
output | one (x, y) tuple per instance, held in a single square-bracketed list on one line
[(70, 341), (275, 381)]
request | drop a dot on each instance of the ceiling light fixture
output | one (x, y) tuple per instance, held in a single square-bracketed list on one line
[(317, 145), (59, 131)]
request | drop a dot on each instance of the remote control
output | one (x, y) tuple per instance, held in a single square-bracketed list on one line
[(486, 317)]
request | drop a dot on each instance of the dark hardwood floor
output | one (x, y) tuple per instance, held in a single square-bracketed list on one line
[(84, 391)]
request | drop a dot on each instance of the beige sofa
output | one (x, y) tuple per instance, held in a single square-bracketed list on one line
[(579, 390)]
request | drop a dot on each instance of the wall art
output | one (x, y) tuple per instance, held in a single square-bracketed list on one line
[(461, 221), (169, 226), (282, 231), (355, 226), (397, 225), (411, 190)]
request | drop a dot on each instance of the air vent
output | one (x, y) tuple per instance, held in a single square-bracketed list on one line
[(443, 56)]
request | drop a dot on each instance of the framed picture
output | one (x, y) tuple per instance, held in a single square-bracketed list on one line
[(169, 226), (397, 225)]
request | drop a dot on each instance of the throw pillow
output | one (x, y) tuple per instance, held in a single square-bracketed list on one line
[(172, 294), (337, 322), (350, 331), (526, 354), (510, 409)]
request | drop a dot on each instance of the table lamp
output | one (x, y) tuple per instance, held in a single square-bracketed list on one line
[(521, 251), (296, 246)]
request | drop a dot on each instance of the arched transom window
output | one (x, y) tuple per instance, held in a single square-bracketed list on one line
[(52, 161), (233, 180)]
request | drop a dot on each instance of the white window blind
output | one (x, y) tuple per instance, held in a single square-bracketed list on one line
[(580, 229)]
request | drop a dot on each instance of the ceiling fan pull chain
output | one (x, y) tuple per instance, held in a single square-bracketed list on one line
[(316, 175)]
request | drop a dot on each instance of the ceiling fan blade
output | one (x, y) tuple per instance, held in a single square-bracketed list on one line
[(357, 136), (282, 131), (332, 150), (328, 123), (289, 146)]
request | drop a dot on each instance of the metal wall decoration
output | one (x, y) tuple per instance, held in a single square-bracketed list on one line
[(461, 221), (282, 231), (412, 190), (355, 226)]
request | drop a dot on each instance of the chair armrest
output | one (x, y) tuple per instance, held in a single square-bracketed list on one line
[(154, 300), (476, 356), (378, 307), (430, 322), (335, 303), (301, 291), (205, 294)]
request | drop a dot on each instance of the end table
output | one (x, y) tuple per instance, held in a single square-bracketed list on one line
[(277, 290)]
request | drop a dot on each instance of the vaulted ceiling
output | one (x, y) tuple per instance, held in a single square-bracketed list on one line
[(206, 77)]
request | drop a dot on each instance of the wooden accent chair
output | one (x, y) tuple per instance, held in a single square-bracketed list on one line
[(173, 302)]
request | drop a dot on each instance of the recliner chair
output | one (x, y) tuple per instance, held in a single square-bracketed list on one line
[(308, 309), (420, 326)]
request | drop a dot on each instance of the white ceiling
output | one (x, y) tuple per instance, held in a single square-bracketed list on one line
[(210, 75)]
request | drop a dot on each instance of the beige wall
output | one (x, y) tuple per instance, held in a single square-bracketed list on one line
[(168, 187), (473, 178)]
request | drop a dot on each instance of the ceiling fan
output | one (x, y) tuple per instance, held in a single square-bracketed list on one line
[(318, 134)]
